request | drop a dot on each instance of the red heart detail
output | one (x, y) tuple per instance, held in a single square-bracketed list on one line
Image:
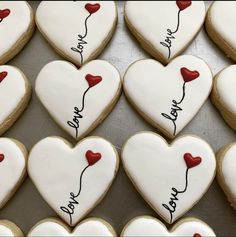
[(2, 157), (92, 157), (192, 161), (4, 13), (3, 75), (93, 80), (197, 235), (92, 8), (183, 4), (189, 75)]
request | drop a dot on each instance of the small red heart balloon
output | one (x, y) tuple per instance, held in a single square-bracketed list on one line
[(92, 157), (183, 4), (189, 75), (2, 157), (92, 8), (3, 75), (93, 80), (191, 161), (197, 235), (4, 13)]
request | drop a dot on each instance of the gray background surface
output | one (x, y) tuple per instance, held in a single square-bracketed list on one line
[(122, 202)]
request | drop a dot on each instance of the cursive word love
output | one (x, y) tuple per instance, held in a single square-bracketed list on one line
[(91, 9), (75, 121), (187, 76), (168, 41), (171, 206), (173, 116), (80, 47), (77, 115), (190, 162), (70, 207), (170, 33)]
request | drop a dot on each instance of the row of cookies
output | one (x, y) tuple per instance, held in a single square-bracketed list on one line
[(80, 30), (171, 178), (167, 97), (139, 226)]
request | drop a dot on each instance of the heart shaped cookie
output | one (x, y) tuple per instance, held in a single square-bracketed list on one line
[(226, 171), (15, 92), (16, 28), (168, 97), (13, 157), (149, 226), (220, 22), (75, 179), (78, 30), (87, 95), (164, 28), (223, 94), (171, 178), (7, 228), (88, 227)]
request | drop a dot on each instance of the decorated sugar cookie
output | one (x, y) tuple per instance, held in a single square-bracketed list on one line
[(9, 229), (164, 28), (78, 30), (87, 95), (171, 178), (226, 171), (168, 97), (220, 26), (149, 226), (223, 94), (16, 28), (13, 157), (15, 92), (75, 179), (88, 227)]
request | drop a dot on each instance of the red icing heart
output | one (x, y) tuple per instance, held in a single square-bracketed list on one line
[(183, 4), (4, 13), (2, 157), (92, 157), (197, 235), (93, 80), (3, 75), (92, 8), (192, 161), (189, 75)]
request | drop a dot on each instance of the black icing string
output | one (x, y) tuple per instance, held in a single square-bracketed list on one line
[(71, 206), (81, 42), (175, 108), (172, 203), (77, 114), (170, 35), (178, 23)]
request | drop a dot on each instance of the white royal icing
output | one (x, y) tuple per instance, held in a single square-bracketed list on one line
[(64, 25), (158, 170), (4, 231), (148, 226), (228, 168), (12, 90), (89, 227), (223, 20), (155, 20), (12, 167), (14, 25), (226, 86), (62, 168), (60, 83), (156, 89)]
